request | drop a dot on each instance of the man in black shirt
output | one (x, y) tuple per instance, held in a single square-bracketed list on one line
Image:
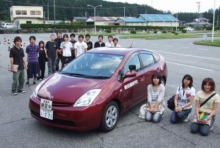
[(88, 42), (59, 40), (51, 54), (100, 43), (17, 59), (73, 41)]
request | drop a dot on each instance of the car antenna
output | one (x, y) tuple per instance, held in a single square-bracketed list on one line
[(131, 44)]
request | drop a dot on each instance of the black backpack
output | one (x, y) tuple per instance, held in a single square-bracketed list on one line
[(170, 102)]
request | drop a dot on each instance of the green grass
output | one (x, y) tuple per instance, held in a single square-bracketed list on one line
[(208, 43), (98, 34)]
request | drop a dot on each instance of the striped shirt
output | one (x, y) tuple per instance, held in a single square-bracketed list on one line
[(32, 52)]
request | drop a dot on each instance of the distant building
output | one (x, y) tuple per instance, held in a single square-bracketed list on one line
[(199, 22), (101, 20), (26, 15), (57, 21), (149, 20)]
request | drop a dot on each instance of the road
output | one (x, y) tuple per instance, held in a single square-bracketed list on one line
[(19, 130)]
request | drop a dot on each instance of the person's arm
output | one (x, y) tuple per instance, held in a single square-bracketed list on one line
[(160, 98), (23, 59), (11, 63), (75, 50), (86, 47), (149, 98), (46, 50), (197, 109), (176, 99)]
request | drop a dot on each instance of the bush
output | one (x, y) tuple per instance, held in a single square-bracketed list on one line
[(176, 33), (164, 31), (155, 31), (108, 31), (173, 32), (184, 31), (133, 32)]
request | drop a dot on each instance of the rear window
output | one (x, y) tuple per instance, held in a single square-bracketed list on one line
[(147, 59)]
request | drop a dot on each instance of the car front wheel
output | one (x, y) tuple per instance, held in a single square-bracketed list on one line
[(110, 117)]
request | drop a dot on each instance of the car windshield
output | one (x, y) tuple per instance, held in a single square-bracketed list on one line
[(93, 65)]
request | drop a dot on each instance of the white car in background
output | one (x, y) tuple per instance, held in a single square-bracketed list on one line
[(189, 29)]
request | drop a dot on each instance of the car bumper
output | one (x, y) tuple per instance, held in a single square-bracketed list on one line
[(73, 118)]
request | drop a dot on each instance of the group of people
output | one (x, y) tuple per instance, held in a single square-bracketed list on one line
[(205, 109), (58, 49)]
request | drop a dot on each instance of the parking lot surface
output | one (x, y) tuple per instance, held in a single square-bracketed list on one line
[(19, 130)]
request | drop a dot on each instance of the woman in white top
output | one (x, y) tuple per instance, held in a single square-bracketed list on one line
[(205, 115), (183, 100), (110, 43), (66, 47), (156, 104)]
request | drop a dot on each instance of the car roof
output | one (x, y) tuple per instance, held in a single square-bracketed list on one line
[(117, 51)]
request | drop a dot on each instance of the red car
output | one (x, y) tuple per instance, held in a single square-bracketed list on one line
[(95, 88)]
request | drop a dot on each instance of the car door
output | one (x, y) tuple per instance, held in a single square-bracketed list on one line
[(149, 65), (133, 88)]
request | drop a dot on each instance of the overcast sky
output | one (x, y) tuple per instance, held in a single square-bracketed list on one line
[(176, 5)]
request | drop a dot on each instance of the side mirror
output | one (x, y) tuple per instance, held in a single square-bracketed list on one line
[(129, 74), (132, 67)]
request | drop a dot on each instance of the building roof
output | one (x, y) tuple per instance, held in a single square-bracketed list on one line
[(158, 17), (131, 20), (80, 18), (99, 18)]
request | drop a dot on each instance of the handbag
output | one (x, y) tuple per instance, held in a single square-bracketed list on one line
[(203, 115), (171, 102)]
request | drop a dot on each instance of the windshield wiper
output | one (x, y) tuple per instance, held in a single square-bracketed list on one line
[(74, 74), (100, 77)]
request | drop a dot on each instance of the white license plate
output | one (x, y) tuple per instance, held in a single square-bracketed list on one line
[(46, 109)]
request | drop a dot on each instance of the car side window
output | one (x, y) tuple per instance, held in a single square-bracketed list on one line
[(147, 59), (157, 58), (134, 60)]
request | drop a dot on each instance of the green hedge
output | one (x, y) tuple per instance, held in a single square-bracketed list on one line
[(73, 26)]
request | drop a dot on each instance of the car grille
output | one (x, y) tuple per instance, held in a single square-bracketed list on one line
[(58, 104), (55, 121)]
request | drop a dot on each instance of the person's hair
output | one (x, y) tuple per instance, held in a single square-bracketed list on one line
[(41, 42), (52, 35), (32, 37), (72, 35), (88, 35), (65, 35), (100, 36), (156, 75), (188, 77), (115, 39), (110, 36), (59, 32), (210, 82), (80, 36), (17, 39)]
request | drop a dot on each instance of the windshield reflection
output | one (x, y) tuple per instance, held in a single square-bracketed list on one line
[(93, 65)]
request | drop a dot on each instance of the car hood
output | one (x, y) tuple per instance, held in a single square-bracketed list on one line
[(67, 89)]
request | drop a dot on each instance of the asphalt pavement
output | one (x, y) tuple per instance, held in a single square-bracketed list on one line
[(19, 130)]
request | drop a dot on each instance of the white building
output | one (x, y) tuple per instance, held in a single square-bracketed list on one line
[(26, 15), (102, 21)]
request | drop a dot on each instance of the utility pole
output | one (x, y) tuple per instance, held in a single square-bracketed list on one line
[(48, 12), (176, 21), (54, 11), (124, 15), (213, 25), (199, 5), (152, 3)]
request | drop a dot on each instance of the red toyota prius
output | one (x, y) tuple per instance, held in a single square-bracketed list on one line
[(95, 88)]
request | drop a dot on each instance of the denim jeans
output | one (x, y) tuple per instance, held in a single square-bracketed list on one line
[(155, 117), (204, 129), (51, 66), (18, 81), (175, 117)]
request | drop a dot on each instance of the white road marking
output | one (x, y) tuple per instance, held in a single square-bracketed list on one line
[(189, 66), (188, 55), (203, 49)]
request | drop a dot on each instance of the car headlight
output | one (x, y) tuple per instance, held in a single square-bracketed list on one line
[(37, 88), (87, 98)]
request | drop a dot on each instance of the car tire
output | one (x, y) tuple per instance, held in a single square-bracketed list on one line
[(109, 117), (163, 81)]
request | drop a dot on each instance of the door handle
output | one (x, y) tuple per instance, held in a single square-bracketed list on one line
[(158, 69)]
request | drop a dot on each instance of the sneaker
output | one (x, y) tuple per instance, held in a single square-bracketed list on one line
[(34, 83), (21, 91), (186, 119), (27, 83), (211, 128), (15, 94)]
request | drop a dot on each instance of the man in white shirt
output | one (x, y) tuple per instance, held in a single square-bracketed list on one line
[(80, 46), (115, 41), (110, 43), (66, 47)]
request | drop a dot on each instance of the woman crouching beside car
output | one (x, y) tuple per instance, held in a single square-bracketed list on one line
[(183, 100), (156, 104), (206, 107)]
